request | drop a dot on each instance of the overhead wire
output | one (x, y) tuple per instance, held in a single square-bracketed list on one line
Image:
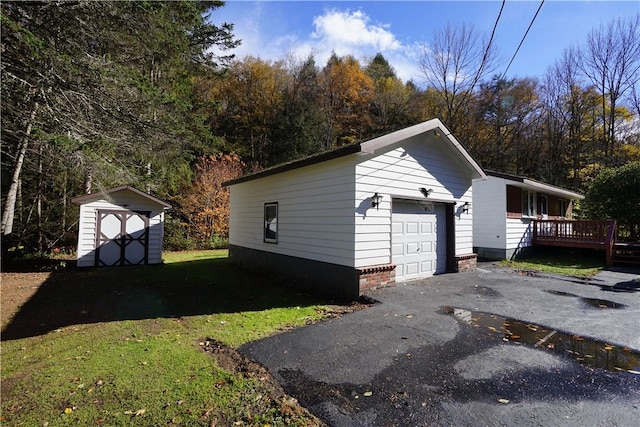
[(486, 50), (522, 41)]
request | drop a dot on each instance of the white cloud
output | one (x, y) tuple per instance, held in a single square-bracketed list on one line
[(352, 29), (345, 32)]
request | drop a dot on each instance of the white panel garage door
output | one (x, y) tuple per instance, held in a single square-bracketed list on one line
[(418, 240)]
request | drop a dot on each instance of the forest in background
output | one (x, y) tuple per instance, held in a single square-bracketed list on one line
[(100, 94)]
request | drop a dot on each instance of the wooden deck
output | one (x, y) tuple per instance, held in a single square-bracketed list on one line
[(621, 243)]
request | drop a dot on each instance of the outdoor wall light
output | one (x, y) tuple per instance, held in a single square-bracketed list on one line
[(375, 200), (465, 207), (425, 192)]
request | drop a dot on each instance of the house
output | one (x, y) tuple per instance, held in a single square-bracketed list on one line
[(120, 226), (391, 209), (504, 208)]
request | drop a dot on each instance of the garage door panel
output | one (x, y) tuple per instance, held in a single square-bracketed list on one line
[(411, 227), (411, 268), (426, 227), (411, 248), (397, 249), (426, 267)]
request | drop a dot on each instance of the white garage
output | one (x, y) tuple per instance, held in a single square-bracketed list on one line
[(360, 216), (120, 226), (418, 239)]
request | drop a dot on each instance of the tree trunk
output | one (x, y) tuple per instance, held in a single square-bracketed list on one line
[(10, 201)]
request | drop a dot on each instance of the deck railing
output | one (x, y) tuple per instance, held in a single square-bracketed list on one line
[(598, 234)]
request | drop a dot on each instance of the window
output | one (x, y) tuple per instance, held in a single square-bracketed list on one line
[(562, 207), (528, 203), (544, 207), (271, 222)]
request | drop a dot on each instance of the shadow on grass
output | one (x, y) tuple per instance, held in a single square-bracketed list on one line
[(81, 296)]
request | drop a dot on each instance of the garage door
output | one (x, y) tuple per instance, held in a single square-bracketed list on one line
[(122, 238), (418, 239)]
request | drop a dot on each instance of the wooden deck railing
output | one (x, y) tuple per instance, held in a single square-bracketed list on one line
[(593, 234)]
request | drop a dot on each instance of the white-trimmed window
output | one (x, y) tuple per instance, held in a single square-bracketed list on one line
[(544, 206), (271, 222), (528, 203), (563, 206)]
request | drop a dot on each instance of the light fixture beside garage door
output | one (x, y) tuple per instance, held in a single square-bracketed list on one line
[(425, 192), (375, 200)]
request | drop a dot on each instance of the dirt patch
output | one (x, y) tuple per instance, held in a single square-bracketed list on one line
[(16, 289), (273, 396)]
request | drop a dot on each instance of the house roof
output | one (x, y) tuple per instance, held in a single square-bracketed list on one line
[(105, 194), (524, 182), (370, 147)]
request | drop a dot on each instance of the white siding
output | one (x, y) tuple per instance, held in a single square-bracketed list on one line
[(490, 213), (519, 234), (122, 200), (315, 212), (417, 162)]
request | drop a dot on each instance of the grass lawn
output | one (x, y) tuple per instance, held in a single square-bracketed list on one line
[(126, 346), (562, 261)]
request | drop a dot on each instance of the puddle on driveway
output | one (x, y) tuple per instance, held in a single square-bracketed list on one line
[(588, 352), (590, 302)]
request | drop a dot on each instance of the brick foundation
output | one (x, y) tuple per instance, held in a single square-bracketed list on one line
[(466, 262), (377, 276)]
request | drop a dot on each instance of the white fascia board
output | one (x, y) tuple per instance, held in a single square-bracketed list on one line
[(550, 189), (434, 124)]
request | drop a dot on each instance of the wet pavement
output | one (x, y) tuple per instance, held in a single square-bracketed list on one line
[(489, 347)]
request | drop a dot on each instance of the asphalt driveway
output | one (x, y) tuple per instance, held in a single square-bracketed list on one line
[(489, 347)]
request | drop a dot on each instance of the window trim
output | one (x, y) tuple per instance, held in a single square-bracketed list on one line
[(529, 200), (563, 207), (268, 208)]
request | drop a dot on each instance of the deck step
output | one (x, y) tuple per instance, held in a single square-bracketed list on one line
[(626, 254)]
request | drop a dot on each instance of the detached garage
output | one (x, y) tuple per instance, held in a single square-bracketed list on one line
[(120, 226), (387, 210)]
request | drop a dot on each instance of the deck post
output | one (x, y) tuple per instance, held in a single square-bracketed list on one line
[(610, 242)]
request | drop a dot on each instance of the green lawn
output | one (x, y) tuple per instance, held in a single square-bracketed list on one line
[(562, 261), (122, 346)]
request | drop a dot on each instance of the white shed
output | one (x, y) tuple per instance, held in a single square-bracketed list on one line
[(391, 209), (120, 226), (505, 207)]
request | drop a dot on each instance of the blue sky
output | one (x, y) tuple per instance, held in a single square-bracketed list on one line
[(400, 29)]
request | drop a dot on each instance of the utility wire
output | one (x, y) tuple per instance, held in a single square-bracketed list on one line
[(522, 41), (486, 51)]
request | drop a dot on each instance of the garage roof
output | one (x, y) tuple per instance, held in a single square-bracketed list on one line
[(370, 147)]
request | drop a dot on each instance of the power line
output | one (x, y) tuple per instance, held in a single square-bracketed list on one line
[(522, 41), (486, 51)]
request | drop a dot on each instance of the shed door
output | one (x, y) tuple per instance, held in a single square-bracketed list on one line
[(122, 238), (418, 239)]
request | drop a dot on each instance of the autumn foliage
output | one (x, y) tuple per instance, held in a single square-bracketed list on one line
[(204, 205)]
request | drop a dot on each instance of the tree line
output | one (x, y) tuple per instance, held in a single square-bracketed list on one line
[(98, 94)]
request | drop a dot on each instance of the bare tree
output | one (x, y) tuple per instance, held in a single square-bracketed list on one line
[(453, 63), (611, 61)]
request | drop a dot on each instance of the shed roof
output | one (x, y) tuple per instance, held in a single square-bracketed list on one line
[(108, 194), (527, 183), (370, 147)]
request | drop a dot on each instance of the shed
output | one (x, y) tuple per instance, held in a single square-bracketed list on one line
[(120, 226), (505, 207), (391, 209)]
